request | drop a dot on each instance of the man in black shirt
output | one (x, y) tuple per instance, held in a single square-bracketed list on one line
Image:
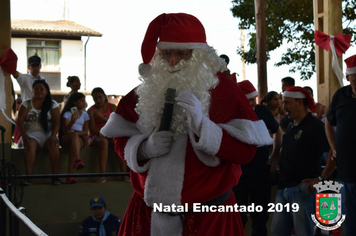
[(303, 146), (342, 115)]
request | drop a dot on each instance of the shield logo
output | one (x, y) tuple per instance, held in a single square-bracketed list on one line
[(298, 135), (328, 214), (328, 208)]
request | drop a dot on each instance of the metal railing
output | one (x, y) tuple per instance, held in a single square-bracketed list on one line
[(15, 216), (11, 194)]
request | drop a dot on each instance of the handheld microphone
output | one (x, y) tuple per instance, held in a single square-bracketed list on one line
[(168, 109)]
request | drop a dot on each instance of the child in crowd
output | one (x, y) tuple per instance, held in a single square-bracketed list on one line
[(101, 222), (73, 83), (99, 114), (74, 131)]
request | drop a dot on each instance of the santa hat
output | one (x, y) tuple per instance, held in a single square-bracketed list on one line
[(248, 89), (174, 31), (299, 92), (351, 65)]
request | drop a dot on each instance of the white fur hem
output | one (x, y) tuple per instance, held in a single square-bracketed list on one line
[(247, 131), (209, 142), (164, 225), (164, 185), (165, 176)]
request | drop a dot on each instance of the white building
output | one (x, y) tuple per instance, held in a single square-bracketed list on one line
[(60, 46)]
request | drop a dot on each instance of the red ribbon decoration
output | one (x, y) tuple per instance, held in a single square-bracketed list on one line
[(8, 62), (341, 41)]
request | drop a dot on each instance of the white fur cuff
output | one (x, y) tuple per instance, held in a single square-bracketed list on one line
[(130, 151), (209, 142), (210, 137), (250, 132), (117, 126)]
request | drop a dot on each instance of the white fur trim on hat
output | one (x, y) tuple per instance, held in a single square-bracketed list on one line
[(293, 94), (351, 71), (144, 69), (169, 45), (251, 95)]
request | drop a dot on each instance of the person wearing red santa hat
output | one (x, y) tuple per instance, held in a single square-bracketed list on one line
[(255, 183), (299, 164), (342, 116), (196, 160)]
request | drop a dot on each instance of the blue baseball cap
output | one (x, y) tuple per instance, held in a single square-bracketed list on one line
[(34, 60), (97, 201)]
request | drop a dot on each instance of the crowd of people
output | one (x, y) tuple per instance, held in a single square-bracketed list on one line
[(44, 124), (220, 148)]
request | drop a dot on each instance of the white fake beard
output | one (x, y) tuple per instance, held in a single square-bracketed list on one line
[(187, 76)]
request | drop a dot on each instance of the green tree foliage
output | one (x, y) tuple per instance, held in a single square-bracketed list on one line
[(288, 21)]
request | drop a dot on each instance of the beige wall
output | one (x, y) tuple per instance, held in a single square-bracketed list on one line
[(72, 62), (72, 59)]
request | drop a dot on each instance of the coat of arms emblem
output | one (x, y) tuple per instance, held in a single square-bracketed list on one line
[(328, 214)]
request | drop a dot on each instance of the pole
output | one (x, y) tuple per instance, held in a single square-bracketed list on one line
[(242, 37), (5, 44), (261, 47), (3, 185), (85, 63)]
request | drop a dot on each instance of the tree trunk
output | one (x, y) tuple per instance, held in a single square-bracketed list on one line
[(261, 47)]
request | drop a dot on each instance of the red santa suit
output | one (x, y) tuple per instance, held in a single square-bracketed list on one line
[(198, 169), (194, 171)]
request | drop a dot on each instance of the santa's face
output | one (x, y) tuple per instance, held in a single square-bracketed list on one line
[(187, 75), (174, 56)]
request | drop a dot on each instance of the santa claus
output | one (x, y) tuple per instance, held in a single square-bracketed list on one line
[(197, 161)]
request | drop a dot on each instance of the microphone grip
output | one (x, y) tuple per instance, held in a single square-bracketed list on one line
[(166, 116)]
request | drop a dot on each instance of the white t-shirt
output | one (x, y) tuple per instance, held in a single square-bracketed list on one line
[(26, 81), (78, 124), (32, 121)]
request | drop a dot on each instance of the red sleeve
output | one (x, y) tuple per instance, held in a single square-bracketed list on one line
[(228, 102)]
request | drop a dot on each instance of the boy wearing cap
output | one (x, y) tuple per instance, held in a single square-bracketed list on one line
[(26, 80), (342, 116), (101, 222), (299, 164)]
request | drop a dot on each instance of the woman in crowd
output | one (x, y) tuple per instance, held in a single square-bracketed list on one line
[(272, 99), (73, 83), (38, 123), (74, 131), (99, 114)]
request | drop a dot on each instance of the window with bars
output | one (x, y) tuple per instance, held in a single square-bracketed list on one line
[(48, 50), (50, 53)]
